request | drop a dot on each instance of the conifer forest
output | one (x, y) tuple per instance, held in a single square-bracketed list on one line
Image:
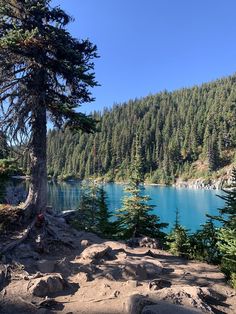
[(179, 131)]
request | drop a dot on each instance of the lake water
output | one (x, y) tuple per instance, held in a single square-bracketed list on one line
[(193, 204)]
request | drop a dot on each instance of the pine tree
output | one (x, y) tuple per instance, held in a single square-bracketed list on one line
[(178, 239), (213, 152), (227, 233), (228, 213), (44, 72), (86, 216), (169, 146), (134, 218), (93, 213), (104, 224), (203, 244)]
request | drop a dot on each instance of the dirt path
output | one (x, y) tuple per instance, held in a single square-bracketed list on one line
[(106, 277)]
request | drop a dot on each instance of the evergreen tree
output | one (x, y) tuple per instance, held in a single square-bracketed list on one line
[(134, 218), (178, 239), (93, 213), (104, 216), (227, 234), (228, 213), (203, 244), (44, 72), (86, 216), (176, 129), (213, 153)]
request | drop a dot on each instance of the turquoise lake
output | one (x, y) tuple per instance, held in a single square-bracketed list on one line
[(193, 204)]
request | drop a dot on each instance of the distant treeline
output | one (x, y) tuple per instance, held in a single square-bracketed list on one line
[(178, 131)]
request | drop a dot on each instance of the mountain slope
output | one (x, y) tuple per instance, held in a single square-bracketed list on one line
[(178, 131)]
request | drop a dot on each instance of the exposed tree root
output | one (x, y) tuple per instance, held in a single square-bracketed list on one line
[(14, 243), (45, 228)]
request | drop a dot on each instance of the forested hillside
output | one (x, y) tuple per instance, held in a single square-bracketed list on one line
[(189, 132)]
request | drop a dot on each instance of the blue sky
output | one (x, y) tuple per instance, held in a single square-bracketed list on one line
[(146, 46)]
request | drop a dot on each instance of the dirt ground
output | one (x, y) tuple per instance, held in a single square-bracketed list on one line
[(95, 276)]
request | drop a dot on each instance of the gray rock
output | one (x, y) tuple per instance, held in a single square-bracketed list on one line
[(187, 296), (46, 266), (47, 285), (95, 251), (85, 243), (159, 284), (134, 271), (135, 304), (149, 242), (167, 308), (153, 269), (133, 283)]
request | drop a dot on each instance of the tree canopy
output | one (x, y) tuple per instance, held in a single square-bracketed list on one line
[(189, 132), (44, 73)]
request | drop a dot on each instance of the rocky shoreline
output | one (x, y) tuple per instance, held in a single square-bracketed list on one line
[(208, 184)]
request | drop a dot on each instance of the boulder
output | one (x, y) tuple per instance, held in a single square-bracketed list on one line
[(157, 284), (95, 251), (133, 283), (135, 304), (187, 296), (134, 271), (153, 270), (47, 285)]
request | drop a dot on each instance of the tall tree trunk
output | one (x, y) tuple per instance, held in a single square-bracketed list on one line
[(36, 201)]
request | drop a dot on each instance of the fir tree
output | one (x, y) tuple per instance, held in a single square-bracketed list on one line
[(178, 239), (104, 216), (227, 233), (44, 72), (134, 218), (228, 213), (203, 244), (93, 213), (86, 216)]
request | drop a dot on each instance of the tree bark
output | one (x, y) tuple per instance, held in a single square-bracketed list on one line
[(36, 201)]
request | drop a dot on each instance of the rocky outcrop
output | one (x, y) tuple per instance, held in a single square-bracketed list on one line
[(47, 285), (95, 251), (209, 184), (191, 297)]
